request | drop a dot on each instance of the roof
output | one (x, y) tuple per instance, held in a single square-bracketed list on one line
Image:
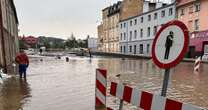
[(184, 2), (148, 12)]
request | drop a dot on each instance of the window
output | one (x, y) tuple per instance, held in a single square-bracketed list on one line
[(141, 48), (149, 17), (135, 22), (148, 31), (190, 9), (130, 48), (135, 49), (163, 13), (196, 24), (124, 49), (121, 49), (142, 19), (155, 16), (197, 7), (148, 48), (124, 36), (121, 25), (182, 12), (141, 33), (190, 25), (131, 23), (155, 30), (135, 34), (121, 36), (124, 25), (130, 36), (170, 11)]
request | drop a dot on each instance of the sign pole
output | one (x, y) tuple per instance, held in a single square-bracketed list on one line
[(165, 82)]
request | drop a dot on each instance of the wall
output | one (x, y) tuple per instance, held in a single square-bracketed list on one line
[(92, 44), (131, 8), (189, 18), (9, 33), (132, 39)]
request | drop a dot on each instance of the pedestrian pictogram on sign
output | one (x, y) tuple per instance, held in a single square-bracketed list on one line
[(170, 44)]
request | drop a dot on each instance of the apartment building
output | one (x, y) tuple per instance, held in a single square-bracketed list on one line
[(108, 29), (194, 13), (137, 33)]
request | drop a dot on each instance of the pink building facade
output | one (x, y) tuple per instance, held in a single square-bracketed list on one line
[(194, 13)]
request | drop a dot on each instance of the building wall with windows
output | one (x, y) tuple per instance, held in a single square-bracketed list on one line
[(8, 34), (109, 36), (137, 33), (194, 13)]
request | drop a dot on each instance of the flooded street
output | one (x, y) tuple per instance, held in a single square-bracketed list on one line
[(58, 85)]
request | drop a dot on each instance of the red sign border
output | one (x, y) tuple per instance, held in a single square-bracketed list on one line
[(184, 50)]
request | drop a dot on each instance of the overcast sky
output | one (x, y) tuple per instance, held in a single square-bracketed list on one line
[(60, 18)]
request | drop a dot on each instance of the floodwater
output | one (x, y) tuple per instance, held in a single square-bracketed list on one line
[(54, 84)]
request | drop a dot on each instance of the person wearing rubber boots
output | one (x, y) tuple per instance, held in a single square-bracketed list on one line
[(23, 61)]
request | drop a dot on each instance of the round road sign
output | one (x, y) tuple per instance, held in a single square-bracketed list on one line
[(170, 44)]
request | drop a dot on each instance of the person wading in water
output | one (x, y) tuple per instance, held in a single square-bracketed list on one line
[(168, 45), (23, 61)]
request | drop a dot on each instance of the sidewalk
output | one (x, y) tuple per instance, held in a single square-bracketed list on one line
[(120, 55)]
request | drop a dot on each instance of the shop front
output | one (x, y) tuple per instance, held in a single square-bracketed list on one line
[(198, 44)]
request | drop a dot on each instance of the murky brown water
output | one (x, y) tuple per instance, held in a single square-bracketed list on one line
[(58, 85)]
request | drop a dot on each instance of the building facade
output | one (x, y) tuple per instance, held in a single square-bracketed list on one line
[(100, 38), (8, 35), (137, 33), (194, 13), (108, 30), (92, 44), (110, 19)]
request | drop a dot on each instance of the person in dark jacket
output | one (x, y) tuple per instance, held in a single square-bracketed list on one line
[(23, 61), (168, 45)]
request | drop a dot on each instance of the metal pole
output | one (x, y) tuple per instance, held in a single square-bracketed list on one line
[(165, 82), (121, 104)]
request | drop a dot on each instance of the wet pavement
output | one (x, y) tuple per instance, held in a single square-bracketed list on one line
[(54, 84)]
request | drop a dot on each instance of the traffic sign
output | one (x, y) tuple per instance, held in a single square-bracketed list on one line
[(170, 44)]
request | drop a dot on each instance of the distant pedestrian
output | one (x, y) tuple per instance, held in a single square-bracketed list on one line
[(90, 53), (23, 61), (40, 51), (67, 59)]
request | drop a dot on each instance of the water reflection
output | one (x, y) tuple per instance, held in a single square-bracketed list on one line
[(14, 94), (184, 85)]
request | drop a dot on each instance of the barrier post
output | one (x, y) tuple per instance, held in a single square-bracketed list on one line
[(101, 88)]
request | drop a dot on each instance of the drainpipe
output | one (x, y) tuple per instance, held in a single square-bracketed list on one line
[(2, 35), (127, 35)]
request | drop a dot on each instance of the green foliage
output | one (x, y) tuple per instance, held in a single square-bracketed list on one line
[(22, 45)]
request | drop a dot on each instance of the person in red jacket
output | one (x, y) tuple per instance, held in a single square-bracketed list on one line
[(23, 61)]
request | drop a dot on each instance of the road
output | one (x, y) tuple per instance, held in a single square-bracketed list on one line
[(54, 84)]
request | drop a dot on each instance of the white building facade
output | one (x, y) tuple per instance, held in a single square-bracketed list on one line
[(137, 33), (92, 44)]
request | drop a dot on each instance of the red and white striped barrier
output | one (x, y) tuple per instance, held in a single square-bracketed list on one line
[(101, 87), (197, 64), (147, 101)]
